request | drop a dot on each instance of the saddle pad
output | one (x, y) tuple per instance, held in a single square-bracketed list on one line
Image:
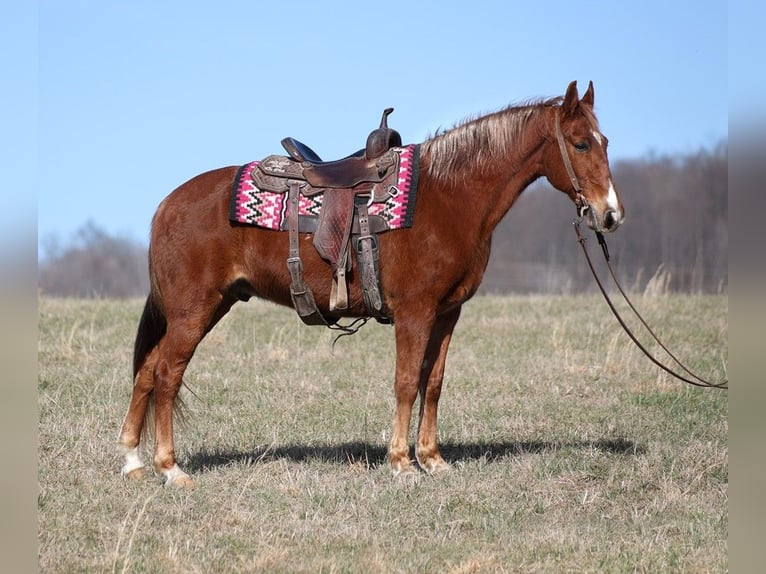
[(252, 206)]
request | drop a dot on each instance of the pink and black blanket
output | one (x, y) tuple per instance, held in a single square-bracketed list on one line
[(252, 206)]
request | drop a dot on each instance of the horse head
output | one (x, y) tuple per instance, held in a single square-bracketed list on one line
[(576, 161)]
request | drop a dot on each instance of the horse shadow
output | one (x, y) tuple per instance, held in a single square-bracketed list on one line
[(375, 454)]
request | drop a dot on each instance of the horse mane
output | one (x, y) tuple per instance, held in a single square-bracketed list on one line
[(481, 140)]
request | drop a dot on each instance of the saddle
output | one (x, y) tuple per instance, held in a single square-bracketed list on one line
[(348, 186)]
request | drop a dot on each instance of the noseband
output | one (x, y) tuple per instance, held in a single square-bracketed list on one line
[(579, 200)]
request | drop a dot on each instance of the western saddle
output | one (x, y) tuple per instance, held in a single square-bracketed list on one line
[(348, 187)]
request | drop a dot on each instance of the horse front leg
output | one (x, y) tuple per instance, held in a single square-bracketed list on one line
[(426, 449), (412, 335)]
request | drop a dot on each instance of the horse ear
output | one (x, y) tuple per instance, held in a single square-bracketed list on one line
[(571, 98), (588, 96)]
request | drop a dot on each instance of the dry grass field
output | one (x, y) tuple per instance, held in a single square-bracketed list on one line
[(570, 452)]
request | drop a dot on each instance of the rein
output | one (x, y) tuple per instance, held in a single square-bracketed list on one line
[(692, 379), (582, 208)]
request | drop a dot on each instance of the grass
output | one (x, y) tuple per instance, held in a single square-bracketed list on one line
[(570, 451)]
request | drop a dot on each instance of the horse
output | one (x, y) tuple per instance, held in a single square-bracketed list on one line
[(470, 175)]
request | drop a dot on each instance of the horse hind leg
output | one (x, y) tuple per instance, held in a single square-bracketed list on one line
[(138, 426), (174, 353), (134, 424), (151, 330), (158, 379)]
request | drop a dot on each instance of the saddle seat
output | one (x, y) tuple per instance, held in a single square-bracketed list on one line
[(365, 165), (299, 151)]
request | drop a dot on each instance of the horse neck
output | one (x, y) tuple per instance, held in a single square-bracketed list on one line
[(488, 163)]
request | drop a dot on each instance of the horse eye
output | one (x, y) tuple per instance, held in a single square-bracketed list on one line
[(582, 146)]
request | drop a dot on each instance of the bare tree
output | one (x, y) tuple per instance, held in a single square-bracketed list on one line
[(94, 264)]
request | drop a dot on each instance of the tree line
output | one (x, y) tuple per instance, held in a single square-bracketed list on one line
[(675, 236), (94, 263)]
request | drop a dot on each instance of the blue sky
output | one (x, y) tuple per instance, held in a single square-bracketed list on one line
[(134, 98)]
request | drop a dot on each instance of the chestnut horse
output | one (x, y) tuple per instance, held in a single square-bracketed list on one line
[(470, 176)]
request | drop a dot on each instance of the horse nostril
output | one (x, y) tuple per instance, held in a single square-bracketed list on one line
[(611, 219)]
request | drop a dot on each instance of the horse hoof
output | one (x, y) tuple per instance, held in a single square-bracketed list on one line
[(405, 472), (177, 478), (135, 474), (184, 482), (431, 461), (436, 467)]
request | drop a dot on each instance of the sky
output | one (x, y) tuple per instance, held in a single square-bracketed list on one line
[(131, 99)]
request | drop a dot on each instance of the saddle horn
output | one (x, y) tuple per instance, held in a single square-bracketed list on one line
[(382, 138)]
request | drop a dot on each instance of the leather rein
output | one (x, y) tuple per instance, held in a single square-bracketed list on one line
[(582, 208)]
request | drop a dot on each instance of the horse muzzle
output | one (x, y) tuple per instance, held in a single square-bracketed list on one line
[(605, 221), (611, 220)]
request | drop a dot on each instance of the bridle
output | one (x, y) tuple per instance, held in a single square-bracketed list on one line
[(579, 199), (582, 208)]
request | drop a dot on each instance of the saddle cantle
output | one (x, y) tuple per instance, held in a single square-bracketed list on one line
[(348, 186)]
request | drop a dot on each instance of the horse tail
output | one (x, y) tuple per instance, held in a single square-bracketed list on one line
[(151, 328)]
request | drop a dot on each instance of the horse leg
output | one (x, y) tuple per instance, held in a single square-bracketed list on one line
[(426, 449), (151, 330), (175, 352), (412, 335), (130, 435), (153, 374)]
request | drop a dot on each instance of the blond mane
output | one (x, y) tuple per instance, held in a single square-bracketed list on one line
[(481, 140)]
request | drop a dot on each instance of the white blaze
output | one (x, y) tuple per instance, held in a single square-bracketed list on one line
[(611, 197)]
